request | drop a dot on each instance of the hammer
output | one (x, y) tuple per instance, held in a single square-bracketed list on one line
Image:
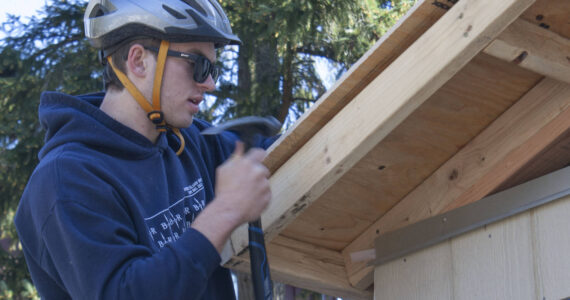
[(248, 128)]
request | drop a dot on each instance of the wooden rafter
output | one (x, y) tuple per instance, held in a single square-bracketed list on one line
[(306, 266), (534, 48), (515, 138)]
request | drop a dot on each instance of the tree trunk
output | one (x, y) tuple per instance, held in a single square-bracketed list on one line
[(267, 76), (287, 98), (244, 74)]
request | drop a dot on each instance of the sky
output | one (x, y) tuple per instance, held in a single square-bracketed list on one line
[(23, 8)]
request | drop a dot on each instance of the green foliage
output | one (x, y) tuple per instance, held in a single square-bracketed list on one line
[(272, 73), (47, 53), (276, 73)]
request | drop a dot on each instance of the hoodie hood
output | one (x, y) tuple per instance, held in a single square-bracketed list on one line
[(62, 115)]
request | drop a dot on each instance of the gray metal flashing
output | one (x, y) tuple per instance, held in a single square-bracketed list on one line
[(490, 209)]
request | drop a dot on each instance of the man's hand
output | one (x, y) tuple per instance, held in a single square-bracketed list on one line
[(242, 193), (243, 183)]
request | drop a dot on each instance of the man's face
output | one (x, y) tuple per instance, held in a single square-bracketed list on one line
[(180, 93)]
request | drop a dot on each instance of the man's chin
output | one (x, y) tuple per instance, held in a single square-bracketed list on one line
[(188, 123), (183, 123)]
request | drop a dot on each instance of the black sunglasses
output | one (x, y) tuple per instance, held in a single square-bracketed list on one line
[(202, 65)]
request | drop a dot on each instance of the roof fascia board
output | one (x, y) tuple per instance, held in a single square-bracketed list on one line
[(306, 266)]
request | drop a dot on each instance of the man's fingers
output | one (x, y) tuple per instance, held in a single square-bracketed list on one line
[(256, 154), (240, 148)]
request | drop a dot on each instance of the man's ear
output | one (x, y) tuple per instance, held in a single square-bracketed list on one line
[(137, 63)]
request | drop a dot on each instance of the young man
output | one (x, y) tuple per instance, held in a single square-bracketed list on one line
[(129, 201)]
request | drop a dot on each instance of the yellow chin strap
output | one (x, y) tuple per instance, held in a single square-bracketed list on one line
[(153, 111)]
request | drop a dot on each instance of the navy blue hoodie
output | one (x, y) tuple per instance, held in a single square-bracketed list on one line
[(106, 214)]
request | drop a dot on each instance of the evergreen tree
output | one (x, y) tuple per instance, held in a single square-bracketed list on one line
[(272, 73), (47, 53), (275, 67)]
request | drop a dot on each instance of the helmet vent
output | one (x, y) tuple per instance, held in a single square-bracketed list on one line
[(173, 12), (97, 11), (196, 6)]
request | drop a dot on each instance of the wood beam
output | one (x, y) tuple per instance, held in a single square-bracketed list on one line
[(516, 137), (548, 161), (412, 78), (533, 48), (551, 14), (408, 29), (306, 266)]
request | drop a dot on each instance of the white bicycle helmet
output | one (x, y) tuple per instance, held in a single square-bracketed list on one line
[(109, 23)]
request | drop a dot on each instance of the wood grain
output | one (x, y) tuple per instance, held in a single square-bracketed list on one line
[(445, 123), (551, 15), (408, 29), (306, 266), (535, 48), (521, 257), (478, 168)]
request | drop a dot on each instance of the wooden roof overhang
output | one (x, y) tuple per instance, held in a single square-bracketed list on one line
[(461, 99)]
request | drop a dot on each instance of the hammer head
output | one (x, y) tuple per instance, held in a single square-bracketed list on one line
[(247, 128)]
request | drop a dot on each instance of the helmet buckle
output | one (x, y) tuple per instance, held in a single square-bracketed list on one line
[(156, 117)]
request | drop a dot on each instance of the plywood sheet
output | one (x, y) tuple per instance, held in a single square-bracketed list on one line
[(550, 14), (551, 236), (495, 262), (432, 134), (521, 257), (425, 275)]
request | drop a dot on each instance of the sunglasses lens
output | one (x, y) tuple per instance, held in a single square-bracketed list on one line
[(202, 68), (215, 73)]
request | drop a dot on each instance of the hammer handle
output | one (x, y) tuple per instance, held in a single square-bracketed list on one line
[(262, 286)]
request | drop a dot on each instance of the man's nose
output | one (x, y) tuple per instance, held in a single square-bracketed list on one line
[(208, 85)]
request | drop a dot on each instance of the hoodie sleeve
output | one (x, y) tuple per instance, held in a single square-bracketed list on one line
[(91, 241)]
